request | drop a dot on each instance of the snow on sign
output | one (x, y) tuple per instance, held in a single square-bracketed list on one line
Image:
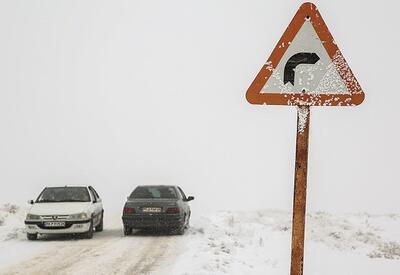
[(306, 68)]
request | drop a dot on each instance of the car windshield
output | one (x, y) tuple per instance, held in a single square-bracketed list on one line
[(153, 192), (64, 194)]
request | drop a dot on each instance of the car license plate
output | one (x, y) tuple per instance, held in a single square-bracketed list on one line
[(54, 224), (151, 209)]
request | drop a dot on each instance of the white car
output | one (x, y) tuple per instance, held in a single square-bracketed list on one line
[(65, 210)]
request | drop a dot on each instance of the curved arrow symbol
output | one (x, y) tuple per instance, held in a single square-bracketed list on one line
[(291, 64)]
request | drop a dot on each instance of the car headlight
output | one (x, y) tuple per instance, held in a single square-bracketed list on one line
[(32, 217), (79, 216)]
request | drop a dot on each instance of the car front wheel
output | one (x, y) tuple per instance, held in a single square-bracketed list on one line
[(31, 237), (89, 234), (99, 227)]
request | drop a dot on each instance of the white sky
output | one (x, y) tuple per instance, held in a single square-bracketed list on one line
[(120, 93)]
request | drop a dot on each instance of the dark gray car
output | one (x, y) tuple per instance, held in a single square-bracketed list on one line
[(157, 207)]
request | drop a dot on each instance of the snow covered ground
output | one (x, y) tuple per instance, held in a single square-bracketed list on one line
[(259, 243), (256, 242)]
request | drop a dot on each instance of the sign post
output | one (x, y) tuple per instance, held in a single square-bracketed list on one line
[(305, 69), (300, 190)]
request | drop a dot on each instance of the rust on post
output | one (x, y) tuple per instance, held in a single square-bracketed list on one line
[(300, 190)]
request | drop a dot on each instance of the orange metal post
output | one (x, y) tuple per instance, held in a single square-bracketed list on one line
[(300, 190)]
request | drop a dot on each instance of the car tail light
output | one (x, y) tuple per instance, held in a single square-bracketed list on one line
[(129, 210), (173, 210)]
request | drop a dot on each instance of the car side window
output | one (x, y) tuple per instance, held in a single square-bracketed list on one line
[(93, 194), (182, 194)]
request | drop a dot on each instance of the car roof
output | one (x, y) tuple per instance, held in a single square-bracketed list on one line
[(156, 185), (150, 185), (55, 186)]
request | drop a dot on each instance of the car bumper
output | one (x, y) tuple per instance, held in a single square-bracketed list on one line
[(71, 227), (141, 221)]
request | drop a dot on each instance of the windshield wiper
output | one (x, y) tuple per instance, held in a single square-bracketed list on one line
[(47, 201), (63, 201)]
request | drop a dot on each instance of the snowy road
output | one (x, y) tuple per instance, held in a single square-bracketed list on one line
[(109, 252), (225, 242)]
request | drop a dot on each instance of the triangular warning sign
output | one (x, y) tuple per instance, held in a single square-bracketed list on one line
[(306, 68)]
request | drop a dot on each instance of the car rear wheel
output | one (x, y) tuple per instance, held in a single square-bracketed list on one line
[(89, 234), (99, 227), (179, 230), (31, 237), (188, 221), (127, 230)]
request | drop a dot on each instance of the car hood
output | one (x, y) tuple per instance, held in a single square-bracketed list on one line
[(59, 208)]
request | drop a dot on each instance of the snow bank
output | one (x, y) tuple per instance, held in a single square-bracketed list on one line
[(14, 247), (374, 235), (236, 243), (259, 243), (11, 222)]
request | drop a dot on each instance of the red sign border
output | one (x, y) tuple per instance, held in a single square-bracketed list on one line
[(309, 11)]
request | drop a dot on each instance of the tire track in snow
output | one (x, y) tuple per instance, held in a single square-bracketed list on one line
[(109, 252), (59, 257), (152, 256)]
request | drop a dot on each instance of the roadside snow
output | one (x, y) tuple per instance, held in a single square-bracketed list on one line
[(252, 242), (259, 243), (11, 220), (13, 245), (237, 243)]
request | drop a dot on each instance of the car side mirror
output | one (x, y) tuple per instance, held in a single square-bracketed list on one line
[(190, 198), (30, 202)]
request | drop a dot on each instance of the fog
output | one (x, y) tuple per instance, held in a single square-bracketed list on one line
[(120, 93)]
